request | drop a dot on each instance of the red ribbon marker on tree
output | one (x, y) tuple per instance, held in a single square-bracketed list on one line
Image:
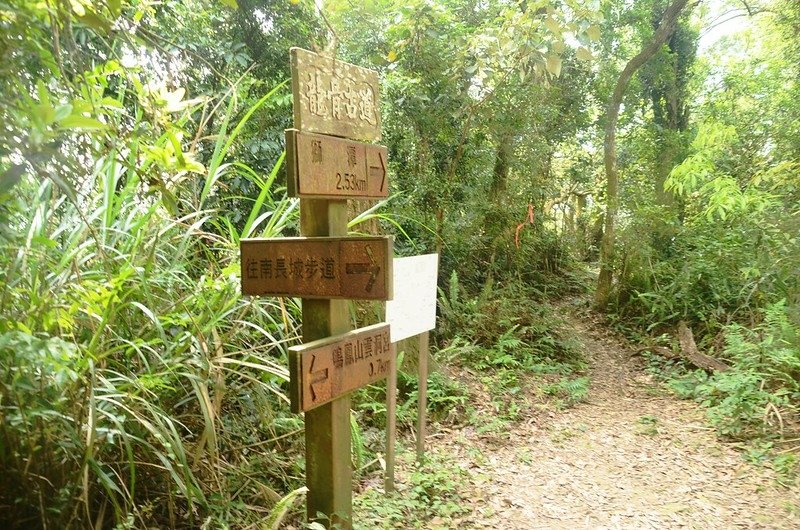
[(529, 220)]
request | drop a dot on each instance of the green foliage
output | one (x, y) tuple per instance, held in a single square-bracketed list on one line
[(118, 349), (735, 252), (276, 516), (568, 390), (506, 335), (502, 327), (432, 491), (717, 245), (445, 394), (784, 463), (714, 242), (132, 374), (648, 426), (763, 387)]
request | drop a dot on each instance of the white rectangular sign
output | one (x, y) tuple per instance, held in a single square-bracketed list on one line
[(413, 309)]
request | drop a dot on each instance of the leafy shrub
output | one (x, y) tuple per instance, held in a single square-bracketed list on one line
[(131, 371), (734, 250), (510, 326), (431, 491), (568, 390), (764, 384), (446, 395)]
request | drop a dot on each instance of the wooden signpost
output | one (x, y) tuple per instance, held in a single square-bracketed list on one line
[(332, 97), (325, 267)]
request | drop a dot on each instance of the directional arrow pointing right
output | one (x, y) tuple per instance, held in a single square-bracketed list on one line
[(373, 268), (379, 171)]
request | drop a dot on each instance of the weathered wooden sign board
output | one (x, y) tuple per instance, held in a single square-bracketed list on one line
[(325, 369), (333, 97), (413, 309), (326, 167), (356, 268)]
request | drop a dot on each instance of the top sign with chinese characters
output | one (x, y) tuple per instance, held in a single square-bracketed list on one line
[(334, 97), (357, 268)]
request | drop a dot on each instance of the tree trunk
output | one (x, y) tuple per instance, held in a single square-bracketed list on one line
[(501, 167), (693, 355), (665, 29)]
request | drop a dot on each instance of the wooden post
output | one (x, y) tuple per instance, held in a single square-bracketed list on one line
[(422, 399), (391, 419), (329, 472)]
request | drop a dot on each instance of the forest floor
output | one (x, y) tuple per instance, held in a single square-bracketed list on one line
[(630, 455)]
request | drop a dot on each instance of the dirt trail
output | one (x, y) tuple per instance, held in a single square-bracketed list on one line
[(630, 456)]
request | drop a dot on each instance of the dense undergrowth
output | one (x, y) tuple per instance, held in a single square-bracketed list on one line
[(140, 141), (718, 247), (137, 385), (730, 273)]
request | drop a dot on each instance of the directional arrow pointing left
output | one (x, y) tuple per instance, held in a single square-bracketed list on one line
[(320, 376), (311, 385)]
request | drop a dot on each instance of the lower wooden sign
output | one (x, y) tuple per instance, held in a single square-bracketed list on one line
[(326, 369), (357, 268)]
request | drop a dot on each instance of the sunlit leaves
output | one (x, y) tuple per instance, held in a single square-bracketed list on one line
[(583, 53), (552, 25), (79, 122), (701, 177), (170, 156), (172, 100), (593, 32), (698, 168), (554, 64)]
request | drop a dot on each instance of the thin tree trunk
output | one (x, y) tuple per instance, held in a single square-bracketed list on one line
[(501, 167), (665, 29)]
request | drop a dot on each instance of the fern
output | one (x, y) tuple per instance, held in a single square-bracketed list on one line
[(570, 390), (765, 380)]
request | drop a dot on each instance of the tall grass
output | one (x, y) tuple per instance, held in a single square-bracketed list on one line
[(137, 387)]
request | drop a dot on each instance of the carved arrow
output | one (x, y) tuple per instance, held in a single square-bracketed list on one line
[(379, 170), (321, 377), (373, 268)]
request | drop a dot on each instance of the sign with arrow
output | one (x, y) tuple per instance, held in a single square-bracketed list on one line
[(327, 167), (326, 369), (357, 268)]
